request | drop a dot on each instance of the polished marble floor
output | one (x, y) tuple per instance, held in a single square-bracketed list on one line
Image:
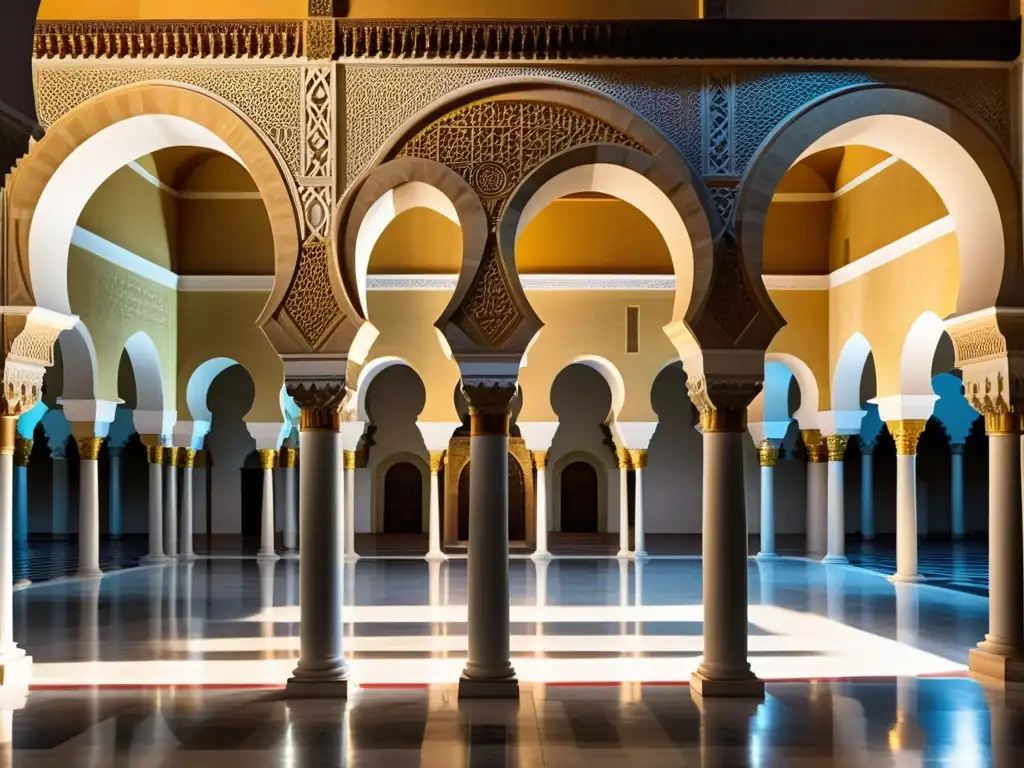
[(44, 559)]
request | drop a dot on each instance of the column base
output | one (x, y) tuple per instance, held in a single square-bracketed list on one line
[(267, 557), (352, 558), (640, 555), (88, 573), (916, 578), (316, 689), (154, 559), (22, 583), (290, 554), (766, 557), (545, 555), (189, 558), (835, 560), (488, 689), (15, 669), (435, 557), (624, 554), (997, 666), (749, 688)]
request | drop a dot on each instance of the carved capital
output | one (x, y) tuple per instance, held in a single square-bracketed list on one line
[(990, 352), (171, 456), (268, 458), (187, 457), (436, 461), (905, 434), (956, 449), (22, 387), (351, 460), (638, 457), (489, 405), (836, 446), (89, 448), (768, 453), (320, 403), (540, 459), (22, 451), (722, 401), (289, 457), (815, 444), (155, 454)]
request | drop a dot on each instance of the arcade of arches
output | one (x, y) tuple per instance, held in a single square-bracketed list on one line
[(522, 315)]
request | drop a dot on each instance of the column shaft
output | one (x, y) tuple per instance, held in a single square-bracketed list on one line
[(155, 456), (434, 517), (20, 504), (836, 500), (905, 434), (187, 490), (268, 457), (350, 504), (624, 504), (867, 495), (957, 489), (170, 503), (8, 425), (60, 497), (289, 456), (638, 460), (817, 493), (540, 460), (114, 525), (768, 455), (89, 506)]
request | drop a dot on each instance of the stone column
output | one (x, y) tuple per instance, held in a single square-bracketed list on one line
[(905, 433), (724, 670), (768, 456), (114, 525), (623, 456), (867, 492), (289, 457), (488, 672), (1001, 653), (268, 457), (13, 662), (89, 505), (155, 457), (956, 496), (187, 460), (170, 502), (540, 461), (22, 455), (434, 552), (836, 447), (322, 670), (60, 493), (817, 493), (638, 460), (350, 459)]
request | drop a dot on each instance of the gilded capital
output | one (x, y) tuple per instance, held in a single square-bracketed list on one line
[(171, 456), (351, 459), (22, 451), (187, 458), (436, 461), (905, 433), (89, 447), (836, 446), (268, 458), (623, 457), (722, 401), (540, 459), (289, 457), (490, 403), (320, 404), (768, 453), (815, 444), (155, 454), (638, 457)]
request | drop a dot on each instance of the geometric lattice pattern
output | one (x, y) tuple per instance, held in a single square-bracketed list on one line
[(310, 302)]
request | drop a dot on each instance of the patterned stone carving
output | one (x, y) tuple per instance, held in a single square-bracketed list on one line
[(722, 401), (977, 342), (724, 199), (167, 39), (730, 303), (316, 131), (489, 307), (719, 105), (131, 299), (310, 303), (316, 208), (321, 7), (271, 97), (379, 99), (320, 402)]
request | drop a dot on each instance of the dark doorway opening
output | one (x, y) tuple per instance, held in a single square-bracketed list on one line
[(579, 498), (403, 499)]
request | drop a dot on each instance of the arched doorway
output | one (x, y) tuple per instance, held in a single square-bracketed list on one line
[(579, 498), (516, 502), (403, 499)]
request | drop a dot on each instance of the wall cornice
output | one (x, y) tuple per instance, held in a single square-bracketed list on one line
[(787, 41)]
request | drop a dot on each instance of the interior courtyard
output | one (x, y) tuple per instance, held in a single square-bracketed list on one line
[(418, 383)]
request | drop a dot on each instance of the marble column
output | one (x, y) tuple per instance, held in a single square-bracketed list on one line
[(867, 491), (638, 461), (540, 461), (22, 455), (268, 550), (13, 661), (724, 669), (623, 456), (817, 493), (59, 512), (89, 505), (1001, 653), (956, 491), (114, 525), (322, 670), (768, 456), (434, 552), (488, 672), (155, 457), (350, 460), (289, 457), (170, 502), (905, 432), (836, 448), (187, 460)]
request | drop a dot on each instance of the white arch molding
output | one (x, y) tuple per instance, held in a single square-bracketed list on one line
[(371, 371), (380, 472), (846, 384), (78, 359), (918, 354), (147, 370), (600, 469), (611, 375), (76, 179), (810, 399), (198, 388)]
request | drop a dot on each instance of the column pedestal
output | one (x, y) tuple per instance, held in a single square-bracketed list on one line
[(867, 494), (1001, 653), (15, 666), (624, 551), (322, 671), (170, 503), (434, 553), (89, 506), (187, 457), (268, 457), (350, 505), (289, 456), (114, 493), (905, 433), (956, 498), (488, 673), (836, 445), (155, 457), (768, 456)]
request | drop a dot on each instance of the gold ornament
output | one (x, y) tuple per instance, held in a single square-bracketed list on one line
[(155, 454), (540, 459), (905, 433), (837, 446), (815, 444), (638, 457), (268, 458), (188, 458), (623, 456), (89, 447), (22, 451), (171, 456), (8, 434), (351, 459), (289, 457), (767, 453), (436, 461)]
